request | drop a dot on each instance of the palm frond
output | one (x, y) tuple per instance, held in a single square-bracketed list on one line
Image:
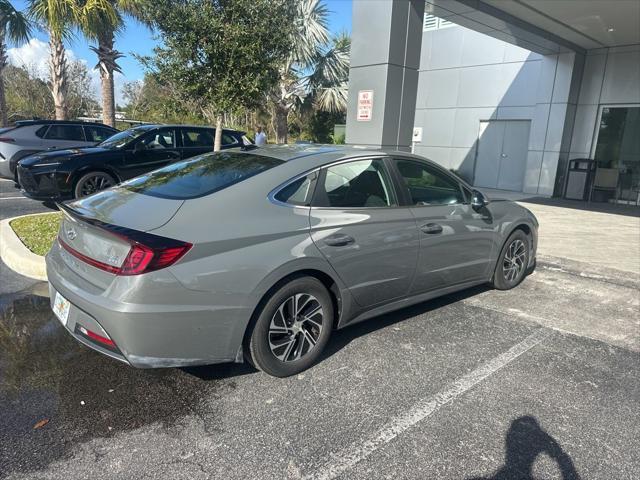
[(14, 23), (310, 32), (59, 17)]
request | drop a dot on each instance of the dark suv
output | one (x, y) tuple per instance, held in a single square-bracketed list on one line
[(77, 172), (31, 136)]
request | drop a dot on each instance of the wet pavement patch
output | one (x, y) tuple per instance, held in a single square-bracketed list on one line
[(73, 394)]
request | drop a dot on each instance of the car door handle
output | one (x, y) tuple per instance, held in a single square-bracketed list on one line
[(431, 228), (339, 240)]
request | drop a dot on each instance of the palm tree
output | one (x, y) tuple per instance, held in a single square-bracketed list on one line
[(58, 17), (101, 25), (316, 66), (329, 81), (14, 28)]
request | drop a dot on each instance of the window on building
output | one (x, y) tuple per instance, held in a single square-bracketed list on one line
[(431, 22)]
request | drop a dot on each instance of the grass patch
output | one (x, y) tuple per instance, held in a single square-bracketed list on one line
[(37, 232)]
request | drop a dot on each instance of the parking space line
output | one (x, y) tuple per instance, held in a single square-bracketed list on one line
[(13, 198), (344, 460)]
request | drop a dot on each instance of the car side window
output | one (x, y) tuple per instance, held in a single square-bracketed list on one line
[(159, 139), (65, 132), (96, 134), (228, 139), (357, 184), (41, 131), (297, 192), (428, 186), (197, 137)]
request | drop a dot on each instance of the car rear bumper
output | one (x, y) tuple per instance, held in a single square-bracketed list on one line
[(188, 331)]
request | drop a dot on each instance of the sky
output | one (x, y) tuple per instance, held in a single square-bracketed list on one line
[(135, 38)]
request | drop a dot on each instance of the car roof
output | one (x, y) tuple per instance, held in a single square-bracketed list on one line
[(310, 157), (24, 123), (175, 125), (321, 154)]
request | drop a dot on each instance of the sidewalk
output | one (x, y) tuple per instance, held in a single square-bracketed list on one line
[(603, 235)]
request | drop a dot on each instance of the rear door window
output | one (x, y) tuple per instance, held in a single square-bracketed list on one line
[(97, 134), (357, 184), (201, 175), (65, 132), (197, 137)]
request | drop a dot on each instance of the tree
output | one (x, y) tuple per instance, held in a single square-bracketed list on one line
[(315, 65), (101, 23), (28, 94), (224, 54), (57, 17), (14, 28)]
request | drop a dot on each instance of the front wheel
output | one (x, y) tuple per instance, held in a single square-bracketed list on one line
[(91, 183), (513, 261), (292, 328)]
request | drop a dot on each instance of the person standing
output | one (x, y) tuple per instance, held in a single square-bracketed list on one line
[(261, 137)]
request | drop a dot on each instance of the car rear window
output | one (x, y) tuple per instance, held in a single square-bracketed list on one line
[(201, 175)]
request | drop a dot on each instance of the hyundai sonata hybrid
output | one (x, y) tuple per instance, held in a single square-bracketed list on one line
[(260, 255)]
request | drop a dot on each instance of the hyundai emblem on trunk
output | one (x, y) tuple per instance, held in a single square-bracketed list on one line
[(71, 233)]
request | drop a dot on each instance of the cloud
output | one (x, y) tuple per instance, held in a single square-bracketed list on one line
[(34, 56)]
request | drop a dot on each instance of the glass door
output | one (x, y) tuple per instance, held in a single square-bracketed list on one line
[(617, 156)]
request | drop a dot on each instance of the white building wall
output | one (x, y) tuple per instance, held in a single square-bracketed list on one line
[(466, 77)]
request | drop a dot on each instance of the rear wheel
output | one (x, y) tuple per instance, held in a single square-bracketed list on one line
[(513, 261), (292, 328), (91, 183)]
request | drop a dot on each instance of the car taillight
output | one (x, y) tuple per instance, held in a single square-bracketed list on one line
[(141, 258), (7, 139)]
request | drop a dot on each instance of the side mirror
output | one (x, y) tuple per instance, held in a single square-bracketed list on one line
[(478, 200), (140, 146)]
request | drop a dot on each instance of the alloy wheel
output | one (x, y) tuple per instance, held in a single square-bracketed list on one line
[(295, 327), (95, 183), (514, 260)]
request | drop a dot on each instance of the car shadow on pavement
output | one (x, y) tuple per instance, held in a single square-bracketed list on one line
[(220, 371), (524, 442), (341, 338)]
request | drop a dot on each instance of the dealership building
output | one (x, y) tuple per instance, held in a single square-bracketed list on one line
[(508, 93)]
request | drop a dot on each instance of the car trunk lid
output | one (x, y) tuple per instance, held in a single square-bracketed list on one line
[(103, 236)]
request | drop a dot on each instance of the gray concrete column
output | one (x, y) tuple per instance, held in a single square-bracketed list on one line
[(385, 56)]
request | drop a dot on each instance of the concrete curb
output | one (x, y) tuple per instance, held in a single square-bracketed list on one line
[(18, 257)]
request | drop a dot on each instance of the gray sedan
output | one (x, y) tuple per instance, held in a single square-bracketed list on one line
[(260, 255)]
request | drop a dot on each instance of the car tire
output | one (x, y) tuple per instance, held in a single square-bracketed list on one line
[(92, 182), (286, 339), (513, 261)]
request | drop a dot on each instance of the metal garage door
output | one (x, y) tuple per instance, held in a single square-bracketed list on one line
[(502, 154)]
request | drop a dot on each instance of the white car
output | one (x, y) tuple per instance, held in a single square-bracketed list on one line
[(31, 136)]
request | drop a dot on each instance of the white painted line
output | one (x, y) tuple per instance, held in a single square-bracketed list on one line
[(14, 198), (344, 460), (6, 180)]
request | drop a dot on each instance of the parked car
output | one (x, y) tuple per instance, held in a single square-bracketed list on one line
[(259, 255), (32, 136), (77, 172)]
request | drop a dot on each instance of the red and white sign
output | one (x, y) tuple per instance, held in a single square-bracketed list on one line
[(365, 105)]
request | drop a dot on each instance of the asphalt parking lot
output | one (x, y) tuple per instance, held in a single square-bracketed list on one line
[(539, 382)]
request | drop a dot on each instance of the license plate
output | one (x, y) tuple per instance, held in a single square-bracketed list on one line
[(61, 308)]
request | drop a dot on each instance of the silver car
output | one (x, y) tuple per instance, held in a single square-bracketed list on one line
[(260, 255), (31, 136)]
